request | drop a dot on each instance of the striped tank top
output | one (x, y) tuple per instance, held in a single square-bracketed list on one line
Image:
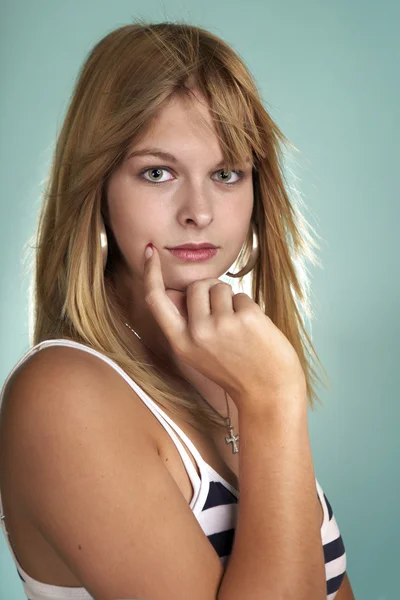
[(214, 502)]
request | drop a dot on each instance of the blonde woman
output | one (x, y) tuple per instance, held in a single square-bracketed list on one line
[(154, 439)]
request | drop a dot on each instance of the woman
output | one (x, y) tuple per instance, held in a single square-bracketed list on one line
[(120, 427)]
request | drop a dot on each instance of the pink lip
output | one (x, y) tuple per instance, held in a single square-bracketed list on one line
[(193, 255), (191, 246)]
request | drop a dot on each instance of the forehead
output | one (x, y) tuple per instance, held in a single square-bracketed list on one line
[(183, 124), (183, 117)]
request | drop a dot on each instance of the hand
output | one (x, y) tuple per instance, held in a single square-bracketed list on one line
[(226, 337)]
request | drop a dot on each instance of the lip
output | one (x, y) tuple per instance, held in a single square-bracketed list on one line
[(192, 246), (188, 254)]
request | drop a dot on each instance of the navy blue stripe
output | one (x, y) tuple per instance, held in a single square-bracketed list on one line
[(332, 585), (20, 576), (334, 549), (222, 542), (219, 494), (330, 511)]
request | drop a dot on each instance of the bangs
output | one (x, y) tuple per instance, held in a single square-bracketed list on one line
[(164, 60), (198, 60), (231, 114)]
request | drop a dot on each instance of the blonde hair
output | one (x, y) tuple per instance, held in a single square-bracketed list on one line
[(126, 78)]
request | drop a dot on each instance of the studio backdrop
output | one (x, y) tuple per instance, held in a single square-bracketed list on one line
[(328, 73)]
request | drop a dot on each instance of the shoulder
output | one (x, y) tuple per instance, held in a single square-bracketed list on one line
[(65, 368), (63, 384), (56, 364)]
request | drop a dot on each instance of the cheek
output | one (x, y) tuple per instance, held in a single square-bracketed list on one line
[(238, 223), (132, 216), (238, 219), (134, 229)]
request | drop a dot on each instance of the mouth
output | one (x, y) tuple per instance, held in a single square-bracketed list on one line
[(192, 246), (190, 254)]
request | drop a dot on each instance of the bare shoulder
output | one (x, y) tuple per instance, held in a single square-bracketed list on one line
[(51, 365), (57, 365), (64, 378), (55, 397), (91, 481)]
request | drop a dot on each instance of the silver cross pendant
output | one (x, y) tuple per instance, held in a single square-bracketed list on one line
[(232, 439)]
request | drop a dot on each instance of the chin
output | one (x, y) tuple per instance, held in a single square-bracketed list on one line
[(181, 283)]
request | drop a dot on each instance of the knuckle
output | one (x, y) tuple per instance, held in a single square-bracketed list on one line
[(220, 284), (199, 333), (194, 286), (249, 317), (244, 295), (224, 324)]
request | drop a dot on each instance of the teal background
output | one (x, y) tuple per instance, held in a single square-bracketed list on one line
[(329, 75)]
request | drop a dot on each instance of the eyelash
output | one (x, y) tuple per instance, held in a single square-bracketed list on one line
[(239, 173)]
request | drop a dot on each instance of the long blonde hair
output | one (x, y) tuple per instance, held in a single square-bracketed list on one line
[(125, 80)]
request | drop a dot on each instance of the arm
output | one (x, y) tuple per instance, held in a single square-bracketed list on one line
[(277, 551), (345, 592), (89, 477)]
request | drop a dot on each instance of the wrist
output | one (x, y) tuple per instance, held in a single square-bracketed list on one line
[(288, 403)]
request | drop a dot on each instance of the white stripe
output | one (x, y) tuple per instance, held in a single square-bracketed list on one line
[(331, 531), (218, 518), (335, 567)]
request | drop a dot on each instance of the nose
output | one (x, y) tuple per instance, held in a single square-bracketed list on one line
[(196, 205)]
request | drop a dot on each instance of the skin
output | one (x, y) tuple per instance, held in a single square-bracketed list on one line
[(194, 203)]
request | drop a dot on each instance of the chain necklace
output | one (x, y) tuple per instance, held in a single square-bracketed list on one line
[(231, 438)]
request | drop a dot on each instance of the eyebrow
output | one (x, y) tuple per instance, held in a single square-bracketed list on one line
[(164, 156)]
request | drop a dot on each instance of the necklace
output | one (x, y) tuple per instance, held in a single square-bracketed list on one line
[(231, 438)]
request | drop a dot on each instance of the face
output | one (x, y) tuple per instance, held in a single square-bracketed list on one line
[(172, 200)]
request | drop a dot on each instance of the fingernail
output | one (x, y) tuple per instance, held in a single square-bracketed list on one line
[(149, 251)]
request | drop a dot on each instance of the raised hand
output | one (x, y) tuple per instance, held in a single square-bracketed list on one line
[(226, 337)]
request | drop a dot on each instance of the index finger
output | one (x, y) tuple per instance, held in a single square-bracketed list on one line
[(164, 310)]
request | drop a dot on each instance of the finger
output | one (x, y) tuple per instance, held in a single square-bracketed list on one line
[(243, 302), (165, 312), (198, 299), (221, 299)]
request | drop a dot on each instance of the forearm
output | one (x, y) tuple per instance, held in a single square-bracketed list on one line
[(277, 551)]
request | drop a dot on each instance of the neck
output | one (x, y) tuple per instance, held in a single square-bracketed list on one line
[(153, 343)]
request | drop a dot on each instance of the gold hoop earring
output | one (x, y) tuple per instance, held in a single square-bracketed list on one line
[(104, 243), (255, 252)]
